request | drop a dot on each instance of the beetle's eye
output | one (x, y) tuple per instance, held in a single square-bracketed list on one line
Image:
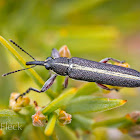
[(47, 66)]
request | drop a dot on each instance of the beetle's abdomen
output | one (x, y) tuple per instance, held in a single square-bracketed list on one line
[(82, 69)]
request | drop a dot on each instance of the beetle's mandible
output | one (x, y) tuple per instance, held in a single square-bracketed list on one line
[(86, 70)]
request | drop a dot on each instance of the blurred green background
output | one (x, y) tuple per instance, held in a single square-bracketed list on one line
[(93, 29)]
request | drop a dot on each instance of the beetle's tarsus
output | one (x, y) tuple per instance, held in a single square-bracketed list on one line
[(21, 95)]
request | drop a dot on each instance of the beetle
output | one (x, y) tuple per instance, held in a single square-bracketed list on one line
[(85, 70)]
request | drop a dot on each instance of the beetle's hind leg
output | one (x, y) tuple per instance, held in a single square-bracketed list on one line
[(45, 87), (105, 60), (105, 87)]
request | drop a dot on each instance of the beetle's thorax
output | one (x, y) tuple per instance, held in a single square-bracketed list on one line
[(60, 65)]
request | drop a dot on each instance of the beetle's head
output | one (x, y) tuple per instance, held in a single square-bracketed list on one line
[(46, 63)]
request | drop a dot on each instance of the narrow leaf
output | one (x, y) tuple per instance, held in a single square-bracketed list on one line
[(92, 104), (124, 122), (59, 101), (32, 133), (87, 89), (115, 123), (79, 121), (51, 124), (65, 133)]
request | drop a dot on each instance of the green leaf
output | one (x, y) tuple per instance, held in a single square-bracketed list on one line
[(92, 104), (51, 124), (34, 133), (65, 133), (87, 89), (59, 101), (9, 117), (79, 121), (115, 123), (122, 122)]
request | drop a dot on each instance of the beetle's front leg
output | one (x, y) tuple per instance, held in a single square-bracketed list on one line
[(45, 87), (105, 60)]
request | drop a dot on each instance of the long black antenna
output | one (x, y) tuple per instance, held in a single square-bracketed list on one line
[(17, 71), (21, 49)]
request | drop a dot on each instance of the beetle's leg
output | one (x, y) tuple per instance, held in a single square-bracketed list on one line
[(105, 87), (105, 60), (65, 84), (55, 53), (49, 83), (45, 87)]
